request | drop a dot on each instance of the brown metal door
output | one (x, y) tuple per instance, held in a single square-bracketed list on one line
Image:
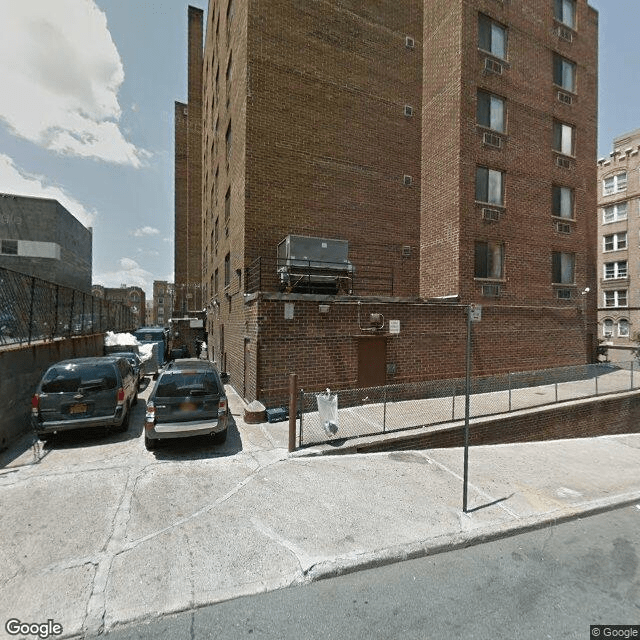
[(372, 362)]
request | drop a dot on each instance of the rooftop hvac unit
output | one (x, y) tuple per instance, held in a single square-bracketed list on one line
[(314, 265)]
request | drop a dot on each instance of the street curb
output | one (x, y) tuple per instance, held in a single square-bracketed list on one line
[(453, 542)]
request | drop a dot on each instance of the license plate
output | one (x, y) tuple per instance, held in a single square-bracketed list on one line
[(78, 408)]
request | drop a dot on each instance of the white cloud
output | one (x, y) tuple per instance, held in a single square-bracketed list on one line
[(146, 231), (60, 79), (129, 273), (15, 181)]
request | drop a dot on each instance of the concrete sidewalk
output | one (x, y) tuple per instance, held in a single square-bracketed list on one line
[(102, 535)]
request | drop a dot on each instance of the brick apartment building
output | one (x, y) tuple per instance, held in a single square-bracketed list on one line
[(132, 297), (163, 295), (451, 143), (618, 235)]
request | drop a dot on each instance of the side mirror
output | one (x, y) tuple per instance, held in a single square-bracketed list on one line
[(225, 377)]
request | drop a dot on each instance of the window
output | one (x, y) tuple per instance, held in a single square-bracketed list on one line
[(613, 270), (623, 328), (489, 259), (228, 142), (565, 12), (563, 267), (492, 37), (614, 184), (615, 241), (215, 282), (490, 111), (227, 207), (562, 202), (160, 300), (489, 186), (563, 138), (9, 247), (564, 73), (607, 328), (216, 235), (614, 213), (227, 270), (615, 298)]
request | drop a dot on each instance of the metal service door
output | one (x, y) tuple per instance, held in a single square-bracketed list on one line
[(372, 362)]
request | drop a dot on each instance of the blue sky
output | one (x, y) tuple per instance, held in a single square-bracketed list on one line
[(86, 115)]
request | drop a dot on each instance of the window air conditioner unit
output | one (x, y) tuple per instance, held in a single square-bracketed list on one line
[(564, 98), (563, 163), (492, 140), (408, 110), (563, 33), (491, 215), (407, 180), (562, 227), (406, 251), (563, 294), (491, 290), (493, 66), (409, 42)]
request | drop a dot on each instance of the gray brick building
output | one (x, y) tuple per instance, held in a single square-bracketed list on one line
[(40, 238)]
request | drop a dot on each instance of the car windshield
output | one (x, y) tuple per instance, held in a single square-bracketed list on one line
[(72, 378), (184, 383)]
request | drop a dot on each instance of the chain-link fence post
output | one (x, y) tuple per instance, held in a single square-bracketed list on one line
[(384, 411), (453, 401), (33, 291), (509, 382), (632, 374), (293, 389), (301, 414)]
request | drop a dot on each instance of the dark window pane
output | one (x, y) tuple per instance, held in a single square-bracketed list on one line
[(481, 262), (482, 184), (484, 102)]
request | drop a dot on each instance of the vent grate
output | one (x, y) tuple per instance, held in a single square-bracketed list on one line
[(407, 180), (491, 290), (492, 66), (492, 140), (563, 294), (565, 98), (491, 215), (562, 227)]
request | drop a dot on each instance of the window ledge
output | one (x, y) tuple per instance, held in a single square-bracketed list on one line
[(561, 219), (490, 280)]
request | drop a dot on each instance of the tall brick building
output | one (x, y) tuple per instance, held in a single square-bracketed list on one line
[(618, 233), (451, 143)]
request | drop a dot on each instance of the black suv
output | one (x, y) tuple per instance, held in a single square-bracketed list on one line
[(84, 392), (188, 400)]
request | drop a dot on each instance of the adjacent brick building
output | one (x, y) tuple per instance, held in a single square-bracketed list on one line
[(618, 234), (132, 297), (451, 143), (163, 294)]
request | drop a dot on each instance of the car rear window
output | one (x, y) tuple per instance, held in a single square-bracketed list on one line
[(71, 378), (185, 383)]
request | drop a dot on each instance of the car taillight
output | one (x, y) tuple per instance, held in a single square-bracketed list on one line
[(120, 395), (222, 405), (150, 415), (35, 403)]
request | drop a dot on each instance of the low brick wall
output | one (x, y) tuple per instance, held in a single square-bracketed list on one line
[(588, 418), (21, 368)]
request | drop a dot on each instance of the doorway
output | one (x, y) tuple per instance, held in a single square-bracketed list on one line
[(372, 362)]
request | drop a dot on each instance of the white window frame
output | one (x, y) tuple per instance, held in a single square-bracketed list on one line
[(615, 270), (565, 12), (615, 212), (614, 184), (567, 68), (615, 299), (566, 202), (497, 35), (607, 328), (621, 333), (497, 111), (618, 241), (566, 264), (495, 183), (567, 138)]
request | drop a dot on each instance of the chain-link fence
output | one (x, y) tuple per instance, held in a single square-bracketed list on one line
[(33, 309), (375, 410)]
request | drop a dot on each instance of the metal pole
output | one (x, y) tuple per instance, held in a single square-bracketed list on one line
[(556, 392), (467, 392), (596, 381), (453, 403), (509, 378), (293, 388), (33, 288), (301, 413), (632, 374), (384, 412)]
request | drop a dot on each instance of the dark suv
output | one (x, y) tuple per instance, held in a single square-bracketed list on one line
[(188, 400), (84, 392)]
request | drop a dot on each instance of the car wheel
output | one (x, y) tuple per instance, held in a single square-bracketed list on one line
[(220, 437), (151, 444), (135, 399), (124, 425)]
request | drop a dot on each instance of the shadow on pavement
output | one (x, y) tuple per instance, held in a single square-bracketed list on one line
[(199, 447), (490, 504)]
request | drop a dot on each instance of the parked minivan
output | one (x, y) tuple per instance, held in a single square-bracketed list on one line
[(84, 393)]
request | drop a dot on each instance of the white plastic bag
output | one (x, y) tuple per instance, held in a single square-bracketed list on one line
[(328, 411)]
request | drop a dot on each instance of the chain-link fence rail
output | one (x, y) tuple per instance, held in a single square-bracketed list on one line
[(376, 410), (32, 309)]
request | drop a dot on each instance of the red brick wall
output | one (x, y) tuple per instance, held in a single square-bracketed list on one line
[(322, 348)]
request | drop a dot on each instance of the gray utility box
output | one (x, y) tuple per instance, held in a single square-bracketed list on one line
[(314, 265)]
